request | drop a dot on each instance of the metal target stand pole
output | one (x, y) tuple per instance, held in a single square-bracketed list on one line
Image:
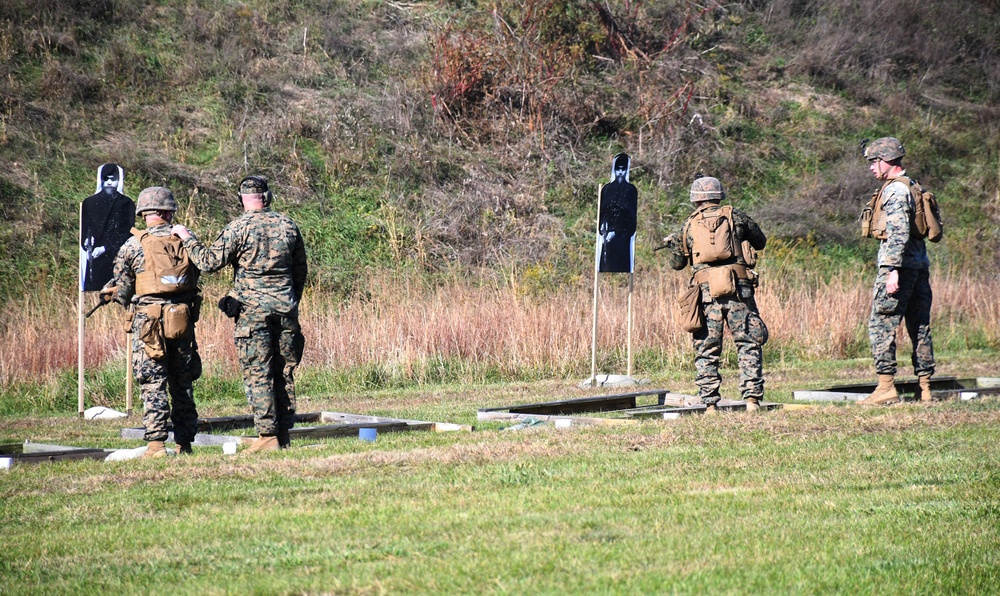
[(631, 288), (80, 327), (597, 267), (128, 374), (631, 278)]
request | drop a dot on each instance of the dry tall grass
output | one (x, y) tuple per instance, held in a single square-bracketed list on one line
[(406, 328)]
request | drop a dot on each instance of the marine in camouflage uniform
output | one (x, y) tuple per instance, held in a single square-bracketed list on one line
[(268, 257), (902, 289), (738, 311), (165, 382)]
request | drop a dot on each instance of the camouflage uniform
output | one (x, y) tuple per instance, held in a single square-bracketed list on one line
[(739, 312), (268, 257), (903, 250), (179, 367)]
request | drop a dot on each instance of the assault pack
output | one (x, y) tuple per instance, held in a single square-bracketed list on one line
[(926, 220), (168, 267), (714, 243), (713, 239), (712, 236)]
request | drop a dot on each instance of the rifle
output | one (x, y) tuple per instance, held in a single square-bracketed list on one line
[(668, 242), (105, 299)]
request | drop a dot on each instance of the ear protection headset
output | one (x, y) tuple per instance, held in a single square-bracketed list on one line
[(268, 195)]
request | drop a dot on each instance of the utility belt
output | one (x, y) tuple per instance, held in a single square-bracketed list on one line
[(166, 321), (722, 280)]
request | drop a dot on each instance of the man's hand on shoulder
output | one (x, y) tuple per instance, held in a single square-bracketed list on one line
[(181, 232)]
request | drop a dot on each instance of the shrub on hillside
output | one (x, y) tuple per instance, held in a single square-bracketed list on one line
[(941, 45)]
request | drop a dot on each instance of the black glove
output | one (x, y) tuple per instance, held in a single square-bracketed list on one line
[(231, 306)]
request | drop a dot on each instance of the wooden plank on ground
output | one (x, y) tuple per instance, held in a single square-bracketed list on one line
[(909, 385), (828, 395), (581, 405), (724, 405), (45, 456), (33, 453), (224, 423), (351, 429), (345, 424), (573, 420), (940, 387), (965, 394)]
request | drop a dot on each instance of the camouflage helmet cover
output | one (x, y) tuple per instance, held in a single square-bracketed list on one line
[(886, 149), (253, 185), (155, 198), (706, 188)]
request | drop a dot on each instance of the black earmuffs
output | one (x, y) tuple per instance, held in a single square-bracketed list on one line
[(268, 195)]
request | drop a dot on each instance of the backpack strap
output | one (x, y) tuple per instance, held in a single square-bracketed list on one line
[(915, 196), (905, 181)]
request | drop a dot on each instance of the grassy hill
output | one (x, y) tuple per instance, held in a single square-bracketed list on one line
[(463, 134), (442, 159)]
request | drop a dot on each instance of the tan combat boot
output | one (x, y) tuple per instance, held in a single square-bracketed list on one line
[(155, 449), (264, 443), (925, 389), (711, 410), (884, 394), (753, 404)]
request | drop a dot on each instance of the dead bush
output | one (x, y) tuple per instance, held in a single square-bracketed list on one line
[(825, 209), (530, 61), (60, 81), (936, 43)]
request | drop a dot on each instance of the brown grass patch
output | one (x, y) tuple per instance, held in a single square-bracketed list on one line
[(407, 329)]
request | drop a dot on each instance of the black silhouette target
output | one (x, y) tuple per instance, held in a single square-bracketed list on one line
[(617, 220), (105, 222)]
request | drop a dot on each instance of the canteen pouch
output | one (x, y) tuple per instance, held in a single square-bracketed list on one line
[(692, 317), (721, 282), (151, 330), (866, 222), (749, 254), (129, 315), (177, 322)]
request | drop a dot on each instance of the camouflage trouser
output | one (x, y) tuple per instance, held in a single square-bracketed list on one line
[(749, 334), (911, 302), (270, 348), (173, 374)]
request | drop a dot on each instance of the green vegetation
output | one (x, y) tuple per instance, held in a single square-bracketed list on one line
[(473, 134), (458, 145), (831, 499)]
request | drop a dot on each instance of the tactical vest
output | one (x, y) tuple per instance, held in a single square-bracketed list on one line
[(926, 221), (168, 268)]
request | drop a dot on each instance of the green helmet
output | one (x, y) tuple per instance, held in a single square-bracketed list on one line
[(886, 149), (155, 198), (706, 188)]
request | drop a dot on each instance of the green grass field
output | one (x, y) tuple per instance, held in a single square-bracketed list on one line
[(827, 499)]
